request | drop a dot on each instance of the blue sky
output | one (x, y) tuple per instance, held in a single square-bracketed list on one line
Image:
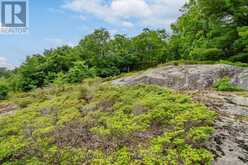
[(54, 23)]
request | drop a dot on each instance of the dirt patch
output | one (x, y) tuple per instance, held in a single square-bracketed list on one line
[(7, 108), (78, 135)]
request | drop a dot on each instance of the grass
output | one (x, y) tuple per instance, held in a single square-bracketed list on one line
[(193, 62), (96, 123)]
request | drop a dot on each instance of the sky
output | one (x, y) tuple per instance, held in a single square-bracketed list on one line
[(54, 23)]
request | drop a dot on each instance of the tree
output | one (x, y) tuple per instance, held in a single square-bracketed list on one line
[(60, 59), (210, 24), (149, 47), (121, 47), (79, 72), (202, 54), (4, 72), (94, 46), (32, 73)]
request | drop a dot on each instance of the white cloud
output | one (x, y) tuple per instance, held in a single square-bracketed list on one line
[(127, 24), (151, 13), (130, 8), (5, 64)]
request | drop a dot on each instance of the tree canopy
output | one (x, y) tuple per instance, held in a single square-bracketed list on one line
[(213, 24)]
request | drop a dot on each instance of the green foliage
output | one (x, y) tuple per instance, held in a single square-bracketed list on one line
[(150, 46), (226, 85), (3, 91), (242, 42), (79, 72), (242, 57), (97, 123), (211, 54), (11, 145), (59, 79), (4, 72), (177, 151), (31, 74), (238, 64), (200, 134), (220, 24), (97, 54)]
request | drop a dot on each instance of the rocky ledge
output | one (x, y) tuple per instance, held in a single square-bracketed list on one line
[(189, 77)]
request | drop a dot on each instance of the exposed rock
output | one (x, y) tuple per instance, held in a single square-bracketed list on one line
[(241, 79), (224, 102), (189, 77), (7, 108), (230, 141)]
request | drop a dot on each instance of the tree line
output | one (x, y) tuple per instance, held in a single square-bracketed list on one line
[(206, 31)]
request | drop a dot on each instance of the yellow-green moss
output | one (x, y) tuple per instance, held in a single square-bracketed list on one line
[(97, 123)]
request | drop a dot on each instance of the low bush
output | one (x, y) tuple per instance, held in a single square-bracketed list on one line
[(79, 72), (97, 123), (226, 85), (242, 57), (3, 91)]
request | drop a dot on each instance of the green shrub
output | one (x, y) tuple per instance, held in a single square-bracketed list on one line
[(108, 71), (242, 57), (24, 102), (3, 91), (242, 42), (226, 85), (60, 79), (97, 123), (203, 54), (79, 72)]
